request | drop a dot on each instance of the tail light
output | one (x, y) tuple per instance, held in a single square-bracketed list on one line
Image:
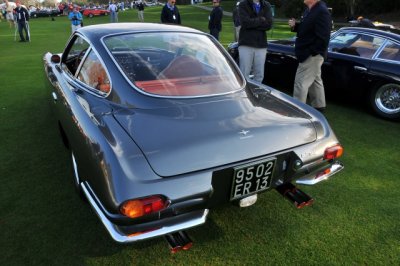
[(333, 152), (140, 207)]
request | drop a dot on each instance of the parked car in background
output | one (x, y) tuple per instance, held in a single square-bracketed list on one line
[(363, 64), (91, 12), (44, 13), (162, 126)]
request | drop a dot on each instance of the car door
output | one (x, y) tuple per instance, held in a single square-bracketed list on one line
[(347, 67), (280, 65)]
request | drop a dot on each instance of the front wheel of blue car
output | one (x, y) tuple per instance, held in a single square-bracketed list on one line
[(385, 100)]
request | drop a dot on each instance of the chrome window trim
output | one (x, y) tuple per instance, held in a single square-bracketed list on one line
[(164, 96), (74, 78), (383, 47), (364, 33)]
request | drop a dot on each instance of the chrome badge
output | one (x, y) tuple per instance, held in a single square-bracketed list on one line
[(244, 134)]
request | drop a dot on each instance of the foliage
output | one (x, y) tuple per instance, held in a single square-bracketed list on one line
[(292, 8)]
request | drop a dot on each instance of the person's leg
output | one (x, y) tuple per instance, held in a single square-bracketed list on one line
[(317, 91), (246, 58), (215, 33), (26, 31), (141, 16), (259, 63), (305, 76), (21, 35)]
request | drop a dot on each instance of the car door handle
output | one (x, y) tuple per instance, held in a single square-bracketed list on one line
[(361, 69)]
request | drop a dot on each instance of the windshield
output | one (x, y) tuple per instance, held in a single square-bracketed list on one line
[(174, 64)]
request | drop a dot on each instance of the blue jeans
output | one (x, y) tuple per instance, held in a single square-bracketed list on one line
[(113, 16)]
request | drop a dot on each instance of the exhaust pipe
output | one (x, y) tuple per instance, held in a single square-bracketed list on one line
[(178, 241), (295, 195)]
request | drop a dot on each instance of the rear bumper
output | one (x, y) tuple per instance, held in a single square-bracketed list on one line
[(324, 174), (162, 227)]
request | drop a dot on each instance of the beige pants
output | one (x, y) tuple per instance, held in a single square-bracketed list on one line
[(141, 16), (308, 81)]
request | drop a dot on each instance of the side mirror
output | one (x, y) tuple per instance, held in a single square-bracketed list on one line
[(55, 58)]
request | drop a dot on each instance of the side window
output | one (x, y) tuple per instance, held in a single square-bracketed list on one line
[(75, 54), (356, 44), (390, 52), (93, 73)]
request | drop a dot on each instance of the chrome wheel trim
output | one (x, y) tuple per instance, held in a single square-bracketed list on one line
[(387, 98)]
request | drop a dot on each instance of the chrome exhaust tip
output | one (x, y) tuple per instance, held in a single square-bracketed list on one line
[(295, 195), (178, 241)]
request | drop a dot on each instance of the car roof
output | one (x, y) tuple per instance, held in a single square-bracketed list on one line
[(94, 32), (390, 33)]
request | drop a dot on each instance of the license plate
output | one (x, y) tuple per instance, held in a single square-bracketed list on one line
[(252, 178)]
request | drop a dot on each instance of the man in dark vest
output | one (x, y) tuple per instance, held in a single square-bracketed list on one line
[(170, 13), (215, 19), (313, 33), (22, 16)]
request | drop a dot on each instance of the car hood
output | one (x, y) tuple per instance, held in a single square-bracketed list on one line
[(190, 137)]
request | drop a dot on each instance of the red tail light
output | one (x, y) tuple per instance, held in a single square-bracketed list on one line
[(140, 207), (333, 152)]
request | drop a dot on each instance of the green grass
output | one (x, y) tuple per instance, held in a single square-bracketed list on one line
[(355, 219)]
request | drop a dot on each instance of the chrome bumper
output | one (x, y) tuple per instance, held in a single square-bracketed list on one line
[(196, 218), (315, 178)]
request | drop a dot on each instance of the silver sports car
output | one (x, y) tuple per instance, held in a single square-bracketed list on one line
[(162, 126)]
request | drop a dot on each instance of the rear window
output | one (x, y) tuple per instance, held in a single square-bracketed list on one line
[(356, 44), (390, 52), (174, 64)]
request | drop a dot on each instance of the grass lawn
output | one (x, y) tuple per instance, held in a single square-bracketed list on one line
[(355, 219)]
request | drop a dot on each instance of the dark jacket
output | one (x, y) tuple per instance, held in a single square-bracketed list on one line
[(313, 32), (215, 19), (21, 14), (254, 26), (167, 15), (140, 6)]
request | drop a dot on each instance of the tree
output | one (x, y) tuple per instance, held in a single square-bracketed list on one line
[(351, 7)]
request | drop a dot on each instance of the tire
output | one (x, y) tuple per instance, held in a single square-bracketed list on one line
[(385, 100), (90, 15)]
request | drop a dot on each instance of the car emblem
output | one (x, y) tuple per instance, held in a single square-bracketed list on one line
[(244, 132)]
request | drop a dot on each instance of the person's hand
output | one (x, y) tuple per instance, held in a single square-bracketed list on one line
[(292, 22)]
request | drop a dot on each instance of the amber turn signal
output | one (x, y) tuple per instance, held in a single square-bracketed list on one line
[(140, 207)]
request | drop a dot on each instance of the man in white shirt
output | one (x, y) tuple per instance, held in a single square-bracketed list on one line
[(113, 8), (10, 9)]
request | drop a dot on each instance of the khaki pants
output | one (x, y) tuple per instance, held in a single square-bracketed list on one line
[(308, 81), (141, 16)]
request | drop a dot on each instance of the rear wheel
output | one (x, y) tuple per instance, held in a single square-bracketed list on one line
[(90, 15), (385, 100)]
